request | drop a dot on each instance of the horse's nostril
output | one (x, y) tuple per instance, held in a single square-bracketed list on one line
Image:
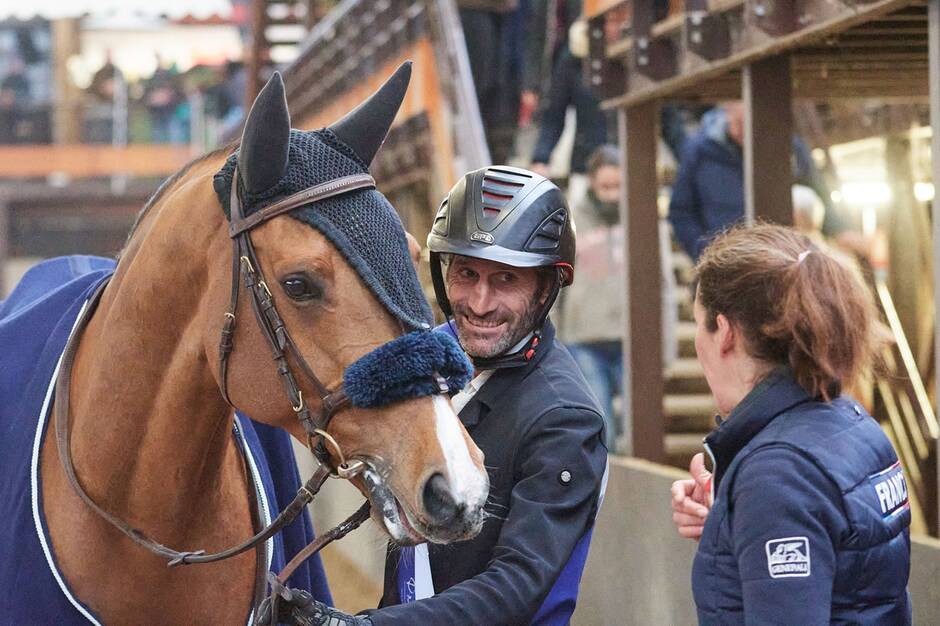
[(438, 501)]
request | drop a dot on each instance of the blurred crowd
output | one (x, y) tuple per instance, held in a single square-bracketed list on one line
[(168, 106)]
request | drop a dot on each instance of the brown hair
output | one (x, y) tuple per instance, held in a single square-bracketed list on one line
[(795, 303)]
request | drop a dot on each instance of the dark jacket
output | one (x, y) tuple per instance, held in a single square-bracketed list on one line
[(708, 193), (533, 423), (810, 519)]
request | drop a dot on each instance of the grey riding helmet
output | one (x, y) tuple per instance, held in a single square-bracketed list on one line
[(512, 216)]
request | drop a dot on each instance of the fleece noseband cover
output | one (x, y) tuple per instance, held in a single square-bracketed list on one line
[(405, 368)]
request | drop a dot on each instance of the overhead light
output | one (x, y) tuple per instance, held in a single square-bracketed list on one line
[(869, 193), (923, 191)]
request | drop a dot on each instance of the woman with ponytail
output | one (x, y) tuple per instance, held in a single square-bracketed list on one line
[(804, 517)]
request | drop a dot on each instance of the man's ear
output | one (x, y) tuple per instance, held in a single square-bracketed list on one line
[(728, 334), (414, 249)]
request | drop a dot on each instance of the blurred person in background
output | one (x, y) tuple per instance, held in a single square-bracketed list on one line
[(708, 192), (493, 30), (14, 101), (804, 518), (591, 317), (554, 79)]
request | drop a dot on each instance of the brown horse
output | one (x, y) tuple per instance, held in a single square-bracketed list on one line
[(151, 433)]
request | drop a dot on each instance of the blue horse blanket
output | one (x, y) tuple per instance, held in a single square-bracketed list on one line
[(35, 322)]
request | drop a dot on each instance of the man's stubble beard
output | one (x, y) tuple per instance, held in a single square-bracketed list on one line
[(519, 328)]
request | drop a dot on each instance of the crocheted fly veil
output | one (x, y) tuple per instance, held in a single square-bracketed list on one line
[(362, 224), (275, 161)]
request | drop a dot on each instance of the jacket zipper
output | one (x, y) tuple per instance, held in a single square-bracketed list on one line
[(711, 484)]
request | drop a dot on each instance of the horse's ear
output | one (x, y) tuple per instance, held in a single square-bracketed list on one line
[(364, 128), (262, 158)]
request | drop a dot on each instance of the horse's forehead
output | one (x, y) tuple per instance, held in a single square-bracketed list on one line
[(362, 225)]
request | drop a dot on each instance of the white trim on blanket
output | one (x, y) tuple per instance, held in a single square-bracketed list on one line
[(34, 487)]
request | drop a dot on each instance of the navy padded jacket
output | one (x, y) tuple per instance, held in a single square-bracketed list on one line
[(810, 519)]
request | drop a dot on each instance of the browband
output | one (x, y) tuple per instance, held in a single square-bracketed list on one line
[(335, 187)]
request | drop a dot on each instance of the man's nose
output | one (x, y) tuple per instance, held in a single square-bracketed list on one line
[(481, 298)]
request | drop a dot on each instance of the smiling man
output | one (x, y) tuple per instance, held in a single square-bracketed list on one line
[(502, 247)]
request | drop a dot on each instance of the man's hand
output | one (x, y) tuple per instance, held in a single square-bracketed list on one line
[(528, 103), (691, 499), (298, 608)]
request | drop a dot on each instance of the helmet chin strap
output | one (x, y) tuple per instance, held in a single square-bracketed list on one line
[(520, 355)]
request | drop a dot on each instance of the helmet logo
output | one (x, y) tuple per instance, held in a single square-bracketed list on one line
[(481, 237)]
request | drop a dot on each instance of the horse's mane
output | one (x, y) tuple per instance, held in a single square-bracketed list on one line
[(169, 182)]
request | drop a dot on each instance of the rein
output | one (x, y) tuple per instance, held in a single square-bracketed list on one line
[(245, 264)]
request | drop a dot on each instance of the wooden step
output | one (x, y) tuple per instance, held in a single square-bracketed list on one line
[(689, 412), (682, 267), (681, 447), (684, 302), (685, 376), (685, 336)]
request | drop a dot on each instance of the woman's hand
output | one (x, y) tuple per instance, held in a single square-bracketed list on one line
[(691, 499)]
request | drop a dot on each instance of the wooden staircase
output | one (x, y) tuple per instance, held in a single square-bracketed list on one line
[(688, 407)]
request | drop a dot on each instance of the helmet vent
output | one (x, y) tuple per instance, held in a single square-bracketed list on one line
[(499, 189), (440, 220), (548, 235)]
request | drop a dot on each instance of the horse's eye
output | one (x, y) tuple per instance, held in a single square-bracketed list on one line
[(301, 287)]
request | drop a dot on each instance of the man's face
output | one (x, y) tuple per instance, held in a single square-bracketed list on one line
[(735, 112), (606, 184), (494, 305)]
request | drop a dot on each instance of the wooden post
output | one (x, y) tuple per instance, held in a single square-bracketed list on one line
[(642, 339), (768, 140), (66, 113), (257, 53), (933, 46)]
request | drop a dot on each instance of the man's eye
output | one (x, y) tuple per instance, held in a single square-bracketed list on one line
[(506, 277), (301, 287), (465, 273)]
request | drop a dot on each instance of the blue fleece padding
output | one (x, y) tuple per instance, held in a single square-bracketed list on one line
[(404, 368)]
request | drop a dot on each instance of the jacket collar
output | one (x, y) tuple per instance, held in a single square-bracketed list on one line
[(774, 395), (496, 388)]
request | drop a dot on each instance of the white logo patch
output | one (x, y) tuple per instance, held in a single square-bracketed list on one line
[(788, 557)]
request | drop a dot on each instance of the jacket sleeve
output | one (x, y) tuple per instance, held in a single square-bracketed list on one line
[(535, 41), (786, 520), (685, 206), (547, 518)]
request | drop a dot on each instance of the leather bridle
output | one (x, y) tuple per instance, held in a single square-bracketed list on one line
[(315, 422), (245, 263)]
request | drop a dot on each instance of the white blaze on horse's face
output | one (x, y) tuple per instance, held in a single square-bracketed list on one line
[(468, 484)]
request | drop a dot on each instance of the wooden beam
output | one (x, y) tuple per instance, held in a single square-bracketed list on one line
[(747, 50), (91, 160), (933, 32), (642, 339), (768, 138)]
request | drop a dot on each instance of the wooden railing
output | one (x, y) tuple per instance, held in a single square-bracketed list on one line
[(906, 413)]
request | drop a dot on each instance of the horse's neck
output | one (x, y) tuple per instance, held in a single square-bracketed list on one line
[(151, 435)]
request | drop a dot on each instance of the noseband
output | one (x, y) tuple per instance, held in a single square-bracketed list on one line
[(315, 422)]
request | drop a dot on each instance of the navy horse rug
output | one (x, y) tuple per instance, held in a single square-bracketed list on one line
[(35, 323)]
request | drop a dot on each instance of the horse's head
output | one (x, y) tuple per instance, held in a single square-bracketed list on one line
[(343, 283)]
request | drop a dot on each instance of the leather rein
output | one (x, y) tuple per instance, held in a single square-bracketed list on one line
[(245, 265)]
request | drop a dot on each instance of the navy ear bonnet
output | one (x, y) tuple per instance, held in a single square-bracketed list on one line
[(362, 224)]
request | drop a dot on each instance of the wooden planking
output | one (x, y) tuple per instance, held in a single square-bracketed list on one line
[(90, 160), (751, 44)]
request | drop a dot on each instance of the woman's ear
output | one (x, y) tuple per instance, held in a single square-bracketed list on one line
[(727, 334)]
